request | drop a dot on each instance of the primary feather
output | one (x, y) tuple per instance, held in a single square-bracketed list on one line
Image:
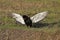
[(18, 18), (38, 17)]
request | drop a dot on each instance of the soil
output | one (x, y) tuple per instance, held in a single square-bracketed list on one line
[(15, 34)]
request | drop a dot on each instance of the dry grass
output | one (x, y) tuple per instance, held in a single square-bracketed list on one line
[(13, 34), (48, 29)]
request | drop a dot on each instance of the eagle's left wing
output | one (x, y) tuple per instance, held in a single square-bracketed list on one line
[(38, 17)]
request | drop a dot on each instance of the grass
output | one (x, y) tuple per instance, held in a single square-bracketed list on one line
[(30, 7)]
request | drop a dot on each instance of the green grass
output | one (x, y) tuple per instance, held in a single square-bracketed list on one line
[(30, 7)]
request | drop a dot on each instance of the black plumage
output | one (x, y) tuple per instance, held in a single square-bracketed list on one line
[(27, 20)]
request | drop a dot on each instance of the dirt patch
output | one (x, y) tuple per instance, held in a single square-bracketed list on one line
[(14, 34)]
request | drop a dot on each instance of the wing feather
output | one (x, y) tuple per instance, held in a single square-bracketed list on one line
[(18, 18), (38, 17)]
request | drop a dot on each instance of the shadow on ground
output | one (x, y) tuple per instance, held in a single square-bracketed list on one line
[(41, 24)]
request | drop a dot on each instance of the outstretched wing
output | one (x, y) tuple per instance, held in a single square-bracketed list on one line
[(38, 17), (18, 18)]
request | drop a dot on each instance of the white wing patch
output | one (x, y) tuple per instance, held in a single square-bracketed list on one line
[(18, 18), (38, 17)]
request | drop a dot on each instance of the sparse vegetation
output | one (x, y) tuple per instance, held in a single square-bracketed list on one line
[(31, 7)]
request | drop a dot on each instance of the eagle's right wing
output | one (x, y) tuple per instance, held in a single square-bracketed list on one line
[(18, 18)]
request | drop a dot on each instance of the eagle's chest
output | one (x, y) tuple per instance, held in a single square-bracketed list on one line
[(28, 21)]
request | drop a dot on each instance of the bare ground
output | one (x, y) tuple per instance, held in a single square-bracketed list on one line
[(28, 8), (14, 34)]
